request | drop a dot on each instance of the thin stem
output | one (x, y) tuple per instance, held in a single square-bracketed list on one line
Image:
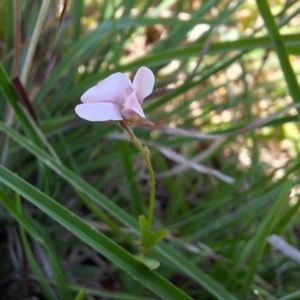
[(34, 40), (280, 49), (145, 153)]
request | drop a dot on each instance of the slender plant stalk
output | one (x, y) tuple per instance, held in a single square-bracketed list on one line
[(17, 38), (145, 153), (34, 40), (280, 49)]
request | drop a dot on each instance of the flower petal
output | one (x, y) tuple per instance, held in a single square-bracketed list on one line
[(112, 89), (143, 83), (132, 107), (99, 111)]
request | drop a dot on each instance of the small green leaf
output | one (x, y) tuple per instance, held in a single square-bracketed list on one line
[(148, 239), (144, 225), (80, 295), (151, 263), (156, 237)]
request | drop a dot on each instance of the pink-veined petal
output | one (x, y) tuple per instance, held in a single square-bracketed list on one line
[(112, 89), (132, 107), (94, 112), (143, 83)]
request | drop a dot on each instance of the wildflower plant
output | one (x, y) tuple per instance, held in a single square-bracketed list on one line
[(118, 99), (226, 166)]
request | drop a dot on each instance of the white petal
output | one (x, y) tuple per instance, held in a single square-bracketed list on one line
[(111, 89), (132, 107), (99, 111), (143, 83)]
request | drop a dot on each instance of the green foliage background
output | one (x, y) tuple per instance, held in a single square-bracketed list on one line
[(225, 149)]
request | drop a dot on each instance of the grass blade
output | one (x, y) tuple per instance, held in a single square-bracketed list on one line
[(280, 49), (93, 238), (169, 253)]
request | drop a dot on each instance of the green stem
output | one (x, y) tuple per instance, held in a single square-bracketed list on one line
[(34, 39), (280, 49), (145, 153)]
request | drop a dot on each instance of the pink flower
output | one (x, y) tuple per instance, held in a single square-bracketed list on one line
[(116, 98)]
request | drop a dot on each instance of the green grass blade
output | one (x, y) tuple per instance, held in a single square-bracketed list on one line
[(280, 49), (81, 294), (169, 253), (259, 241), (43, 239), (77, 9), (136, 201), (13, 210), (34, 265), (33, 41), (13, 99), (92, 237), (28, 124)]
